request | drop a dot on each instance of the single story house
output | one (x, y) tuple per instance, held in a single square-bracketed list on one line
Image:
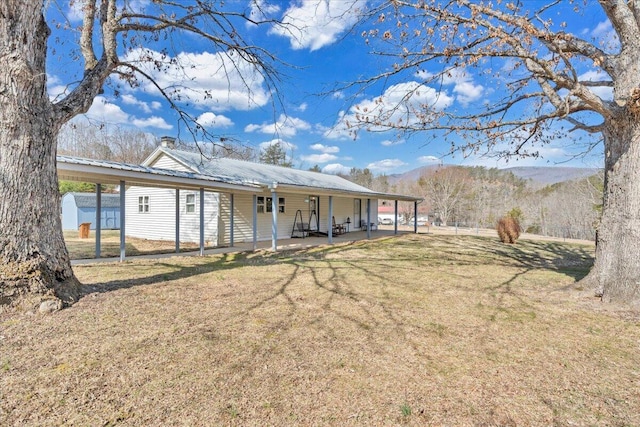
[(178, 195), (288, 202), (78, 208)]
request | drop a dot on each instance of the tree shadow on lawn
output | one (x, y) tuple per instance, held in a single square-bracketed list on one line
[(175, 271), (570, 259)]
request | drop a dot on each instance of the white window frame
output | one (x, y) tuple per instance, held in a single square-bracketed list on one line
[(281, 205), (143, 204), (190, 203), (260, 204)]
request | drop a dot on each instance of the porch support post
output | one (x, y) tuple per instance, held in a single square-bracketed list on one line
[(98, 218), (231, 210), (395, 219), (122, 221), (177, 220), (255, 222), (415, 217), (330, 220), (368, 218), (274, 217), (201, 221)]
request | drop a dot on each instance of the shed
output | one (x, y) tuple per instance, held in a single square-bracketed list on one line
[(81, 207)]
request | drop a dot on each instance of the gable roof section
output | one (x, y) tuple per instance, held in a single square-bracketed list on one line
[(269, 175), (89, 200)]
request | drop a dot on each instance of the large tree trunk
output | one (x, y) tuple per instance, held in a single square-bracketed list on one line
[(616, 272), (34, 259)]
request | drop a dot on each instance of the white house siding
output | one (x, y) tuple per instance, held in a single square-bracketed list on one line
[(160, 223), (165, 162), (243, 216)]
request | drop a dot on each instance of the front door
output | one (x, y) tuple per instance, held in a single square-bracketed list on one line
[(357, 210)]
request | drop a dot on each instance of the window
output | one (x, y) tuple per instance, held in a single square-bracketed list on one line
[(143, 204), (265, 204), (191, 203)]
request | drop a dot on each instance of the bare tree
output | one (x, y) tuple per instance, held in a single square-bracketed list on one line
[(116, 39), (446, 188), (551, 83), (99, 142)]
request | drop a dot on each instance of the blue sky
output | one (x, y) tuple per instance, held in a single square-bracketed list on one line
[(325, 54)]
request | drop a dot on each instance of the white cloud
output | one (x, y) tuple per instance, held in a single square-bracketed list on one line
[(336, 168), (605, 36), (303, 107), (206, 80), (107, 112), (144, 106), (325, 148), (402, 104), (389, 142), (285, 126), (385, 165), (212, 120), (604, 92), (463, 85), (287, 146), (319, 158), (261, 10), (429, 159), (314, 24), (338, 95), (153, 122)]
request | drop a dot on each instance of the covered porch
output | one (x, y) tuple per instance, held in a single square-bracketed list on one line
[(104, 172), (283, 245)]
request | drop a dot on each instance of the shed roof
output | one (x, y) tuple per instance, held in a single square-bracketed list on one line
[(268, 175), (88, 200)]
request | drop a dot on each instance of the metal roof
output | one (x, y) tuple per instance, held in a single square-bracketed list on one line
[(269, 175), (88, 200), (108, 172)]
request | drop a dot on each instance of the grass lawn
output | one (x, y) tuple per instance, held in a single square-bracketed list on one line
[(411, 330), (110, 245)]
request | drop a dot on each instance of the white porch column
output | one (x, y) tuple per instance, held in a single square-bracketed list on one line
[(177, 220), (122, 221), (274, 217), (368, 218), (395, 219), (201, 221), (231, 210), (255, 222), (330, 220), (98, 218)]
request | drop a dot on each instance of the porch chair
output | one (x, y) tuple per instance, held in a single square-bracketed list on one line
[(337, 229), (372, 226)]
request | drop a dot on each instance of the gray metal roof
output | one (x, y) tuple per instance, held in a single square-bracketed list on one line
[(108, 172), (263, 174), (89, 200)]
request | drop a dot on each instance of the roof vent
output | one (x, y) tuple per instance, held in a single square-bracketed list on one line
[(168, 142)]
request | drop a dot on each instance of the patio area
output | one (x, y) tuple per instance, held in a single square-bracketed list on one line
[(283, 244)]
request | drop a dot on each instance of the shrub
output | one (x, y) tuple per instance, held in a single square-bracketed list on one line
[(508, 229)]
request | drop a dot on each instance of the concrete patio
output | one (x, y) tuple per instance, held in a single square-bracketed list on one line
[(283, 244)]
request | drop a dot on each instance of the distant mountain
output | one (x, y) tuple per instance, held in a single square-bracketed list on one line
[(547, 175), (538, 175)]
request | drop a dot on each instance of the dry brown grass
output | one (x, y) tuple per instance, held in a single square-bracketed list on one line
[(414, 330), (110, 245)]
